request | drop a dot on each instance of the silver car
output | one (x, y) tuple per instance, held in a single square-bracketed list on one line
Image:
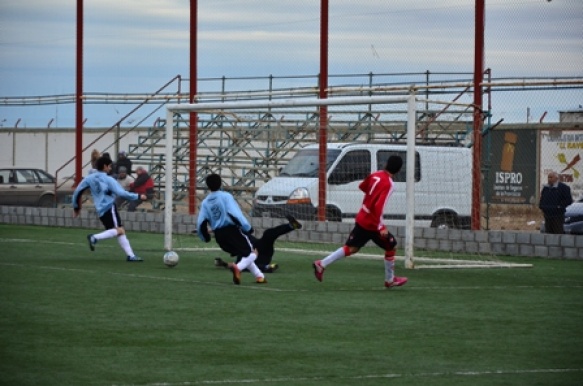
[(30, 187), (573, 219)]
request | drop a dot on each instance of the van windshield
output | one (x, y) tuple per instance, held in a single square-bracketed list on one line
[(305, 163)]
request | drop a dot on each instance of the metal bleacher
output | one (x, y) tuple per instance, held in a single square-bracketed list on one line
[(248, 148)]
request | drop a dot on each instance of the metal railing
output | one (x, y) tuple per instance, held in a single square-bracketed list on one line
[(450, 120)]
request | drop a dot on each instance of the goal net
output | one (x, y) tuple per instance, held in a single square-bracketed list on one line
[(270, 154)]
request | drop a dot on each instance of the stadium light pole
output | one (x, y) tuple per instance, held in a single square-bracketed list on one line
[(477, 119)]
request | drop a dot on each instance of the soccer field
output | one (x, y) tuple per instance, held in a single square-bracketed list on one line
[(70, 316)]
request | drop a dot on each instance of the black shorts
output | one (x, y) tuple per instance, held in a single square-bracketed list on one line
[(359, 237), (233, 241), (110, 219)]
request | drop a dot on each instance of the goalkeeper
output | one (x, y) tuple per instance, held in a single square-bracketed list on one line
[(265, 245), (220, 212)]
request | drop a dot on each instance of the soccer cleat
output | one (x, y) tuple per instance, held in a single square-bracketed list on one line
[(397, 282), (261, 280), (236, 273), (318, 269), (135, 259), (270, 268), (92, 241), (295, 224), (221, 263)]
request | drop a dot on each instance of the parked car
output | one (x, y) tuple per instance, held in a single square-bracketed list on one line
[(31, 187), (573, 219)]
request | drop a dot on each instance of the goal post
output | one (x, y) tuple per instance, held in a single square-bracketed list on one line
[(410, 187)]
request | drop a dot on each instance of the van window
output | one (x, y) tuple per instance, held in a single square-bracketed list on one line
[(306, 161), (383, 156), (354, 166)]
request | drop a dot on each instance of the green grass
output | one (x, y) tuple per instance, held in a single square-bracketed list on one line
[(69, 316)]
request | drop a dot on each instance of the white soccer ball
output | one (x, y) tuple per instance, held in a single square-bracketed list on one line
[(171, 259)]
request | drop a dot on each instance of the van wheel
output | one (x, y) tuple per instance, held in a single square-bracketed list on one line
[(444, 221), (333, 214), (46, 202)]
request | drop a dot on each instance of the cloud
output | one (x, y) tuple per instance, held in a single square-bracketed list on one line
[(137, 45)]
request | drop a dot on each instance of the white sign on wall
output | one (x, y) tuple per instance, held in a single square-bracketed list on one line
[(562, 151)]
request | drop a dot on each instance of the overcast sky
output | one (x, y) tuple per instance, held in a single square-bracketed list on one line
[(138, 45)]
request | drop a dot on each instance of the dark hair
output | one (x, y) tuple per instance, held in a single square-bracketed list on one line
[(213, 181), (394, 164), (102, 162)]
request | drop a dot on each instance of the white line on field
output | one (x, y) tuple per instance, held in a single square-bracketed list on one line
[(36, 241), (420, 261), (361, 377)]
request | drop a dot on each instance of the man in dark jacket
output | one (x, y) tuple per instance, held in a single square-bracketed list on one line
[(554, 198)]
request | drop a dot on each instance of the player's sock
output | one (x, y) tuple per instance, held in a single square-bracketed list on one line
[(125, 245), (389, 266), (246, 261), (255, 271), (336, 255), (108, 234)]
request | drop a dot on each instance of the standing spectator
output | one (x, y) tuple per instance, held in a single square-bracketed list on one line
[(377, 188), (220, 211), (555, 197), (104, 190), (123, 161), (142, 185), (124, 180)]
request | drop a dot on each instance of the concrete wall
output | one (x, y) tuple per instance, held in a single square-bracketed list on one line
[(50, 149), (472, 242)]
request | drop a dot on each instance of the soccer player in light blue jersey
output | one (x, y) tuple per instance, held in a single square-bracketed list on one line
[(222, 214), (104, 190)]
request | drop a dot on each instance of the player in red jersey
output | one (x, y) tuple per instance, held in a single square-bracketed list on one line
[(377, 188)]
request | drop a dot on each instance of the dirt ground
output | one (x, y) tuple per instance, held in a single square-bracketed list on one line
[(511, 217)]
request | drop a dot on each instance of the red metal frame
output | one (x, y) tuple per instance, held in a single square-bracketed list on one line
[(193, 120), (478, 118), (79, 96), (323, 110)]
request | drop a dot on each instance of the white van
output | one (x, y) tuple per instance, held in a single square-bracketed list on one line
[(443, 184)]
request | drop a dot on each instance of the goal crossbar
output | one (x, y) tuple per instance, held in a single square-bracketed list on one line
[(300, 102)]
